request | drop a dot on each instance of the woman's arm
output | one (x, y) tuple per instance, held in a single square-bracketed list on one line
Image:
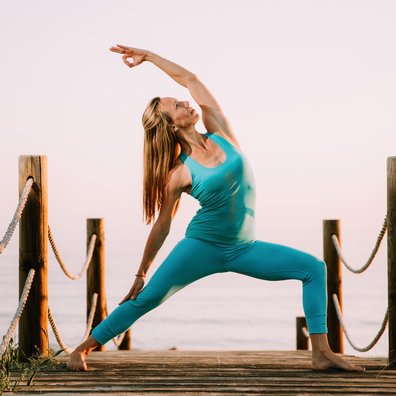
[(212, 114), (159, 231)]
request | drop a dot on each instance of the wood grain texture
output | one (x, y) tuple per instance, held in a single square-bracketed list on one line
[(391, 229), (214, 372), (96, 272), (302, 342), (334, 283), (33, 253)]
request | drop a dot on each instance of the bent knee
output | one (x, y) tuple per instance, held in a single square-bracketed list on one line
[(317, 269)]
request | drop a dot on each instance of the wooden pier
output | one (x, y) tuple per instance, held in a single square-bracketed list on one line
[(174, 372)]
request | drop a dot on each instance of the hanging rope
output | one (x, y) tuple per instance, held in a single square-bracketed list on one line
[(344, 329), (88, 260), (91, 315), (373, 253), (118, 340), (17, 216), (57, 335), (22, 302)]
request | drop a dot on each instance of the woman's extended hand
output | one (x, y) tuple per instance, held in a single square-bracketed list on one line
[(135, 289), (137, 55)]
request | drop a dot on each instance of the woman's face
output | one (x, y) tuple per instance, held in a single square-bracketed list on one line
[(183, 116)]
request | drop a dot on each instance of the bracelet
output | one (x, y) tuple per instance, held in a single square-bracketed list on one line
[(140, 275)]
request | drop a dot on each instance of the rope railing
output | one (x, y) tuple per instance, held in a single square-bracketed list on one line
[(373, 253), (22, 302), (118, 340), (88, 259), (91, 316), (344, 329), (55, 330), (305, 332), (17, 216)]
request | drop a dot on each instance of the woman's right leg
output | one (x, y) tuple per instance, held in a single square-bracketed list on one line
[(190, 260)]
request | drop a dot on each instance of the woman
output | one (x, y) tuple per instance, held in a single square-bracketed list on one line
[(220, 237)]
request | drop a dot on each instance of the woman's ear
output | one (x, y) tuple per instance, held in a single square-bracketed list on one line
[(174, 129)]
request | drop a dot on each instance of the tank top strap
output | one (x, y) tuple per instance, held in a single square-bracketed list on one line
[(193, 167), (198, 169), (223, 143)]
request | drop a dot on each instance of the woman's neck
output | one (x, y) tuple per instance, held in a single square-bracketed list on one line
[(190, 140)]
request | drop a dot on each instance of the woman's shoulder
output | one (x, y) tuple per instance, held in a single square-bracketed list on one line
[(226, 137)]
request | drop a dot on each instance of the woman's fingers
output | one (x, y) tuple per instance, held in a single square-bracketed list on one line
[(126, 298), (135, 56), (125, 47), (125, 59), (118, 50), (121, 49), (137, 287), (135, 290)]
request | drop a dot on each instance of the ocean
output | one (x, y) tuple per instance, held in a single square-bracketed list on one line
[(221, 312)]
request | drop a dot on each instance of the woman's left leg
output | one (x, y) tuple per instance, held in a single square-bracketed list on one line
[(271, 261), (275, 262)]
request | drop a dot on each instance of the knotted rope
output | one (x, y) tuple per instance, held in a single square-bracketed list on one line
[(87, 331), (344, 329), (85, 266), (17, 216), (22, 302), (373, 253)]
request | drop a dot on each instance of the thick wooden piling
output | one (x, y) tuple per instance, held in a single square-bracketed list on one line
[(302, 342), (391, 226), (334, 283), (96, 272), (33, 253)]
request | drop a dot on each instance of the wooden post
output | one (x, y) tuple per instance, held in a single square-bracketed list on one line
[(33, 253), (301, 340), (126, 342), (334, 283), (391, 226), (96, 272)]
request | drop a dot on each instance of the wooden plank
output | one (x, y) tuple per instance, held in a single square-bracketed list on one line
[(215, 373)]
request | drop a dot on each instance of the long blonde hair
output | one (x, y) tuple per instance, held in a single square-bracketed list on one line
[(160, 150)]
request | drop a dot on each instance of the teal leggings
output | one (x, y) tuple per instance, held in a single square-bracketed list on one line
[(192, 259)]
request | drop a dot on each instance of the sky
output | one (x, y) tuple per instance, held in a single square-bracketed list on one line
[(309, 87)]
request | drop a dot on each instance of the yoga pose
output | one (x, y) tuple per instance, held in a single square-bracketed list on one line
[(221, 236)]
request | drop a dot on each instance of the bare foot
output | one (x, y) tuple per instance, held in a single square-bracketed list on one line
[(76, 361), (327, 360)]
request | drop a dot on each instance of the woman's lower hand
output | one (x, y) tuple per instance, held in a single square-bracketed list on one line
[(137, 55), (135, 290)]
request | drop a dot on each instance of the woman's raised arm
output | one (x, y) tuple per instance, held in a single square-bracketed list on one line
[(212, 114)]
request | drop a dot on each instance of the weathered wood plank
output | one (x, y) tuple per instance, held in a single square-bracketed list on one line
[(214, 373)]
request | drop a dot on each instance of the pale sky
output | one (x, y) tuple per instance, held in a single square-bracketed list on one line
[(309, 87)]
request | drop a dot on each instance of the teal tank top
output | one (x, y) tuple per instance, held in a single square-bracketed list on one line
[(226, 194)]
